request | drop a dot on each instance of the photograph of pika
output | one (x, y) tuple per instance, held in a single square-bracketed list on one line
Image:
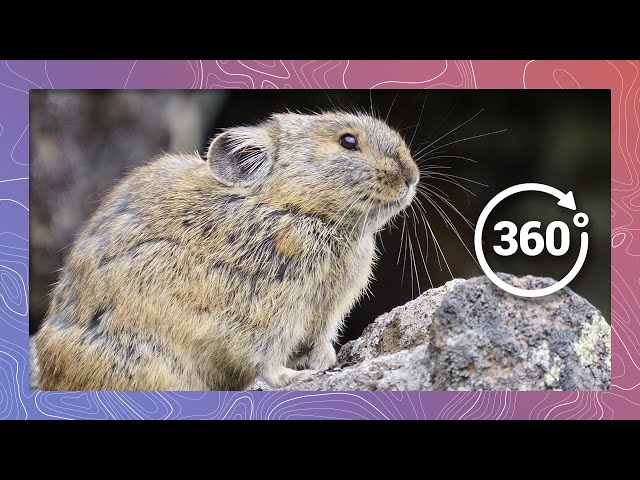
[(235, 247)]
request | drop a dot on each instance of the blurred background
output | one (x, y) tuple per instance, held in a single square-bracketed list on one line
[(81, 142)]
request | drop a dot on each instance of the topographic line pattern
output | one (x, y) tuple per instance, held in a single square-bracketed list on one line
[(18, 77)]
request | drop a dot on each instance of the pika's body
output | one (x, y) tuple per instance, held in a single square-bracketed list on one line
[(202, 275)]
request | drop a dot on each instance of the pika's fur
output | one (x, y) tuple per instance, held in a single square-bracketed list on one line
[(202, 275)]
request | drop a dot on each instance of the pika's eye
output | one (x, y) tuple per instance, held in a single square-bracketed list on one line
[(348, 141)]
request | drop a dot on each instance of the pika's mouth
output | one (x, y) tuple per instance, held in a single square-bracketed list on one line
[(402, 200)]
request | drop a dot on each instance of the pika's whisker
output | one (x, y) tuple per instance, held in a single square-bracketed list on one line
[(409, 250), (455, 209), (419, 119), (386, 119), (424, 262), (437, 244), (435, 241), (430, 156), (448, 221), (444, 119), (467, 191), (431, 188), (434, 167), (472, 137), (371, 102), (449, 175), (423, 215), (404, 259), (450, 132), (407, 128), (401, 238), (379, 232), (330, 100)]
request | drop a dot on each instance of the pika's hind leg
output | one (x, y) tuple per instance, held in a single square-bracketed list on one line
[(278, 376)]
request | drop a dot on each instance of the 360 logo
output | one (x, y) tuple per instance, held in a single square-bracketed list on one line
[(530, 240)]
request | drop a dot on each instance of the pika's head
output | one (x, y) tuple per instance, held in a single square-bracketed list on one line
[(347, 168)]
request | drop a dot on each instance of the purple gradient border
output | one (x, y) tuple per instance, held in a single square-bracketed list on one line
[(18, 77)]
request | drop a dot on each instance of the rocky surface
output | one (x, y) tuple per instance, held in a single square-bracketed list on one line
[(470, 335)]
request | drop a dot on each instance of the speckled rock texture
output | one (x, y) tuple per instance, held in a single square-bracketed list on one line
[(470, 335)]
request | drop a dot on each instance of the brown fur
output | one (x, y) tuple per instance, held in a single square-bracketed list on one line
[(202, 275)]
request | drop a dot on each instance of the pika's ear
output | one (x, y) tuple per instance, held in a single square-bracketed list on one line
[(240, 156)]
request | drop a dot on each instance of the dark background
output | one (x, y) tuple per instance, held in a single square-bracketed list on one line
[(81, 142)]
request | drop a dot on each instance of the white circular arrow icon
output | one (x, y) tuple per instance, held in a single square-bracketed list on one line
[(566, 200)]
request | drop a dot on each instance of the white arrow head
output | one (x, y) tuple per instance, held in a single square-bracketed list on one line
[(567, 201)]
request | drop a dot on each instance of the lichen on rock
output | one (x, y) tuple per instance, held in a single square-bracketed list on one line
[(594, 335)]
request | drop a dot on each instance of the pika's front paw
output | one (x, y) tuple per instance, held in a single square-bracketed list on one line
[(299, 362), (281, 376), (322, 357)]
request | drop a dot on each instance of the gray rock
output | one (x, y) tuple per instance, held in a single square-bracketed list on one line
[(401, 328), (470, 335), (402, 370), (483, 338)]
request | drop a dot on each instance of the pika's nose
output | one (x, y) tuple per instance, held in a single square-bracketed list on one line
[(409, 171)]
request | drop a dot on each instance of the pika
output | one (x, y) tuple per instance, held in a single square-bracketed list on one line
[(203, 274)]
